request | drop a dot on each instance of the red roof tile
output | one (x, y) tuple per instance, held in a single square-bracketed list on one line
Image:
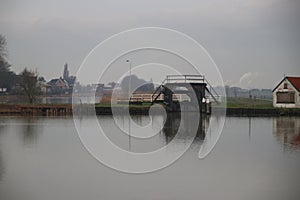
[(295, 81)]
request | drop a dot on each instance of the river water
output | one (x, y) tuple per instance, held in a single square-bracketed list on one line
[(257, 158)]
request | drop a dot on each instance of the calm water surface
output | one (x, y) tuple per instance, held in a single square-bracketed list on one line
[(255, 159)]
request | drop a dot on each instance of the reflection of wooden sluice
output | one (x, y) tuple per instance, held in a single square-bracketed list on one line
[(172, 125)]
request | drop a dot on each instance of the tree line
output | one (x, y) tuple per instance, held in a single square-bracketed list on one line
[(25, 83), (28, 82)]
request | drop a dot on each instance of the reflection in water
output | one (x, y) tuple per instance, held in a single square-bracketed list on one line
[(1, 167), (161, 130), (2, 126), (173, 121), (29, 130), (59, 167), (2, 130), (287, 130), (249, 128), (171, 127)]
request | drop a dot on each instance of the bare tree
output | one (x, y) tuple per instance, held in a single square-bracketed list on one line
[(6, 75), (29, 80), (3, 52)]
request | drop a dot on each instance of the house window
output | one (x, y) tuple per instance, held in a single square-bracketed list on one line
[(285, 97), (285, 86)]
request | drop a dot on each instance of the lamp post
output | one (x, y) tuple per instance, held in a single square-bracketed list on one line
[(129, 84), (129, 118)]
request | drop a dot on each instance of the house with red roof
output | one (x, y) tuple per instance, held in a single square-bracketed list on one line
[(287, 93)]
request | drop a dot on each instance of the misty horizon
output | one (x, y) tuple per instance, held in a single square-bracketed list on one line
[(254, 43)]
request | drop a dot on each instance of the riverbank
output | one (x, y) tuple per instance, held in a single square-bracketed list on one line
[(245, 112), (36, 109), (66, 109), (260, 112)]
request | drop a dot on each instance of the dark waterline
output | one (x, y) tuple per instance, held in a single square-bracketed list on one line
[(255, 158)]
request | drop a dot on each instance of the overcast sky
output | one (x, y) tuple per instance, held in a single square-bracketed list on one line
[(253, 42)]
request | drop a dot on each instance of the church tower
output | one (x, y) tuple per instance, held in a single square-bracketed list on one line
[(66, 72)]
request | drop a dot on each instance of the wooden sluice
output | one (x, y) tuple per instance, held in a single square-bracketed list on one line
[(194, 87)]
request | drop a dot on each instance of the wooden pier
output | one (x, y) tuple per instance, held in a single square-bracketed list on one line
[(36, 109)]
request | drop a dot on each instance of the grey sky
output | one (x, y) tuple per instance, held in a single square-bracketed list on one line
[(253, 42)]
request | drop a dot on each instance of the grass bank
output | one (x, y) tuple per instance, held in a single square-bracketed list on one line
[(235, 107), (248, 103)]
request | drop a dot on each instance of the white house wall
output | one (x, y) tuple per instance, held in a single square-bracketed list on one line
[(290, 87)]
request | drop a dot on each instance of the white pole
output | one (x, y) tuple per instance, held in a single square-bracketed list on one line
[(129, 118), (129, 84)]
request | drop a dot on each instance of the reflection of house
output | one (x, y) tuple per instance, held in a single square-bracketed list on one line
[(287, 130), (58, 86), (287, 93)]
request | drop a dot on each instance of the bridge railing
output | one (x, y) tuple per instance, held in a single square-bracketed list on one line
[(185, 79)]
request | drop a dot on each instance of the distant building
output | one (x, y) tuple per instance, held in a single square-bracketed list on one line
[(3, 90), (66, 72), (67, 77), (99, 87), (43, 86), (62, 85), (287, 93), (57, 86)]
